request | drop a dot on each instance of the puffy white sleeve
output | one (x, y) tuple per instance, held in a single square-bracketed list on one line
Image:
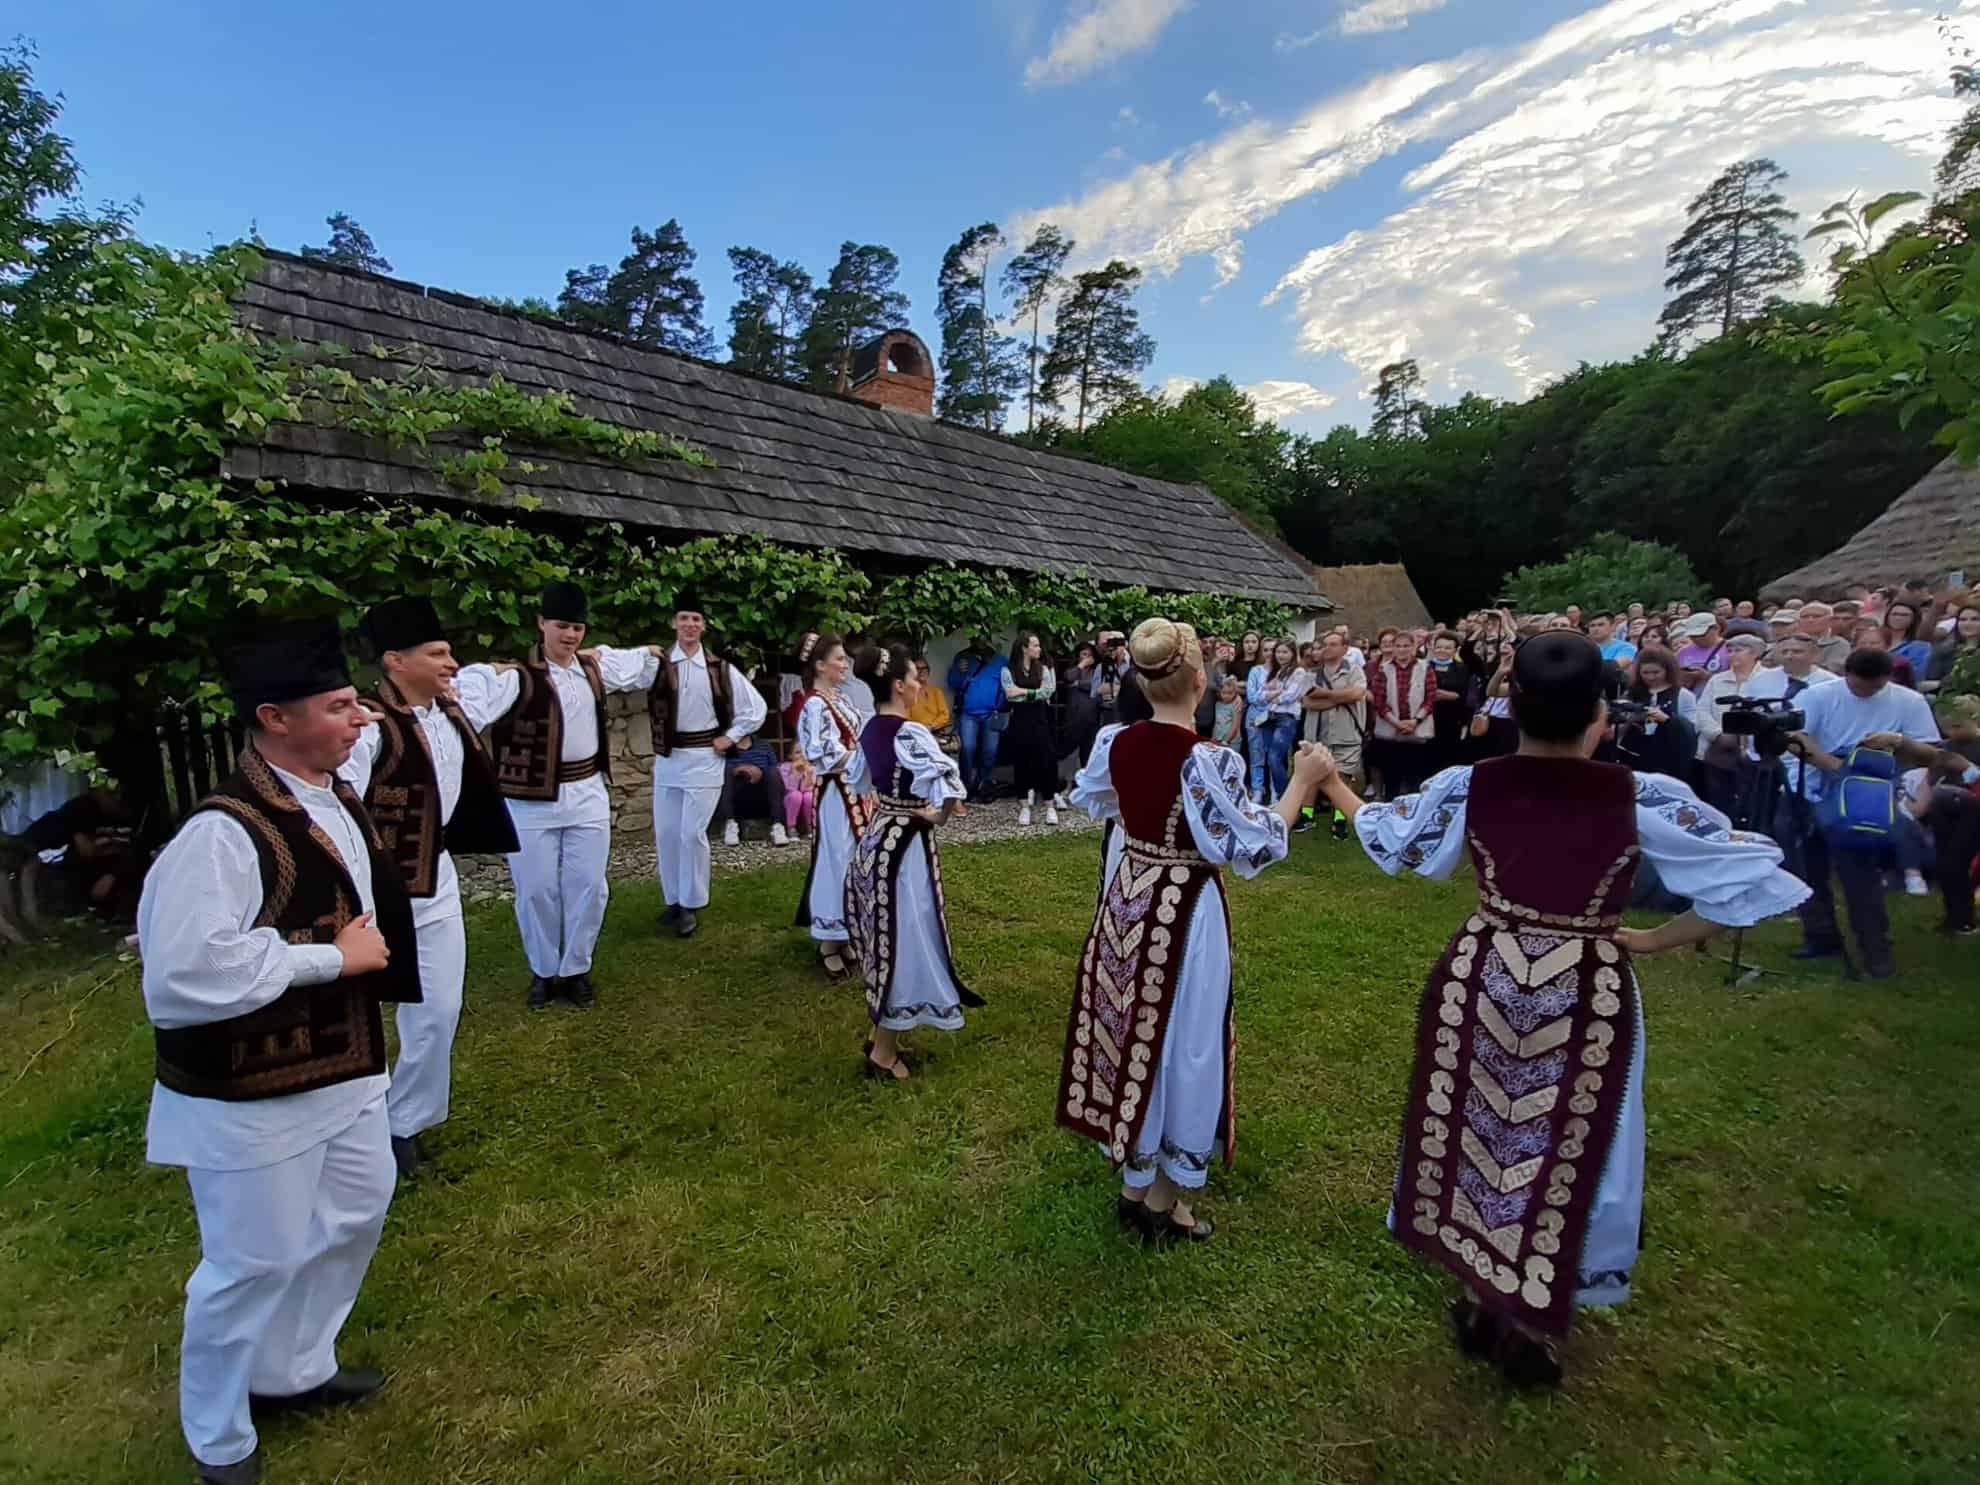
[(1733, 877), (1093, 786), (1228, 827), (937, 779), (819, 739), (486, 693), (203, 959), (356, 770), (859, 778), (627, 670), (749, 704), (1421, 833)]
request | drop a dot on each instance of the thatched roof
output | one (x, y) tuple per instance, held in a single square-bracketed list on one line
[(1930, 530), (795, 466), (1367, 597)]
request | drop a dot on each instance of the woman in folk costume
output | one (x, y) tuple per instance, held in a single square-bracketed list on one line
[(827, 737), (1147, 1069), (900, 933), (1523, 1137)]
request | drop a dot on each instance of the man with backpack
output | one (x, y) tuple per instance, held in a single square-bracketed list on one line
[(1852, 786)]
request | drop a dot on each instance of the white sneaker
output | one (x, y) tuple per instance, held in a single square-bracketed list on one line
[(1059, 801), (1051, 814), (778, 836), (731, 836), (1024, 815), (1914, 884)]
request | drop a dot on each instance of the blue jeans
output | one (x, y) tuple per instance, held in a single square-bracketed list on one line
[(979, 751), (1254, 750), (1913, 845), (1280, 733)]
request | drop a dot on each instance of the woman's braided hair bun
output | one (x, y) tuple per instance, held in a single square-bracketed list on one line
[(1164, 653)]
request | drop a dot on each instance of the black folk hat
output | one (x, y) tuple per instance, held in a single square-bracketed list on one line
[(401, 624), (284, 662), (565, 601)]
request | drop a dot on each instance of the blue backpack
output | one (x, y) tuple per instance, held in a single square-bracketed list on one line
[(1858, 809)]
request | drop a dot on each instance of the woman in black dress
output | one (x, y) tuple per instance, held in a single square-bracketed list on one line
[(1029, 743)]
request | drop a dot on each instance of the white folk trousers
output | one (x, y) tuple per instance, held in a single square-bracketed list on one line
[(680, 842), (425, 1069), (283, 1250), (559, 875)]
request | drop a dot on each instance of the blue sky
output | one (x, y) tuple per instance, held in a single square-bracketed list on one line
[(1313, 186)]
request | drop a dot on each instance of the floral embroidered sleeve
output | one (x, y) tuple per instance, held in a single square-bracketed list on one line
[(1227, 826), (1420, 833), (1093, 787), (819, 739), (1733, 877), (937, 779)]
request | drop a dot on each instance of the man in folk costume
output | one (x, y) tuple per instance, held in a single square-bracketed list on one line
[(431, 790), (701, 706), (272, 927), (549, 740)]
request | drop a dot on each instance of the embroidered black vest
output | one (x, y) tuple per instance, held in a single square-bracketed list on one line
[(314, 1035), (528, 741), (404, 795), (664, 700)]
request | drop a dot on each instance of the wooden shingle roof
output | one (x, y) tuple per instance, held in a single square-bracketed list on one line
[(792, 465), (1930, 530)]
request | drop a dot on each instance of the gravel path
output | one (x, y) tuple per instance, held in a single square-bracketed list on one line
[(486, 879)]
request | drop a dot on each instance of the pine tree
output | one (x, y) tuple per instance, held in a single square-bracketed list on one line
[(1734, 256), (1099, 349), (582, 301), (1031, 278), (859, 301), (768, 319), (654, 297), (980, 368), (1399, 404), (350, 246), (1958, 175)]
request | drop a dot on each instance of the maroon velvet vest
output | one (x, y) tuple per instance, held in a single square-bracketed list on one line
[(1146, 764)]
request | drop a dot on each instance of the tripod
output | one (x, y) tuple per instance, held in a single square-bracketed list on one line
[(1762, 799)]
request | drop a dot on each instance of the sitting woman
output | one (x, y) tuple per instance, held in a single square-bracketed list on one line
[(1147, 1062), (1523, 1135), (900, 932)]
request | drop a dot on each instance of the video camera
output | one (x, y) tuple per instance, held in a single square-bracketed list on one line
[(1769, 721), (1629, 713)]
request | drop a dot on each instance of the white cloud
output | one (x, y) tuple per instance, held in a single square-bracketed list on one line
[(1546, 178), (1127, 118), (1384, 15), (1104, 32), (1276, 400), (1227, 108), (1285, 43)]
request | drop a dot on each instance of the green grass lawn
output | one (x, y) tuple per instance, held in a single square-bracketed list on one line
[(678, 1238)]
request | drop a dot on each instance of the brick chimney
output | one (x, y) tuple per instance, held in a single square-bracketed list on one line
[(895, 371)]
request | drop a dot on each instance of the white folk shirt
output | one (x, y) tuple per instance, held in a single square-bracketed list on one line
[(487, 693), (444, 747), (694, 711), (204, 961)]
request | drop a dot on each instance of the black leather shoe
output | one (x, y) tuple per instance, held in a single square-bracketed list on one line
[(1526, 1362), (685, 924), (352, 1384), (1163, 1228), (577, 990), (406, 1154), (247, 1472), (1817, 951), (1476, 1328), (671, 915), (540, 991)]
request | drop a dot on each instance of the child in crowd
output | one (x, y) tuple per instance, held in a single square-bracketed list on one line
[(1228, 728), (800, 793)]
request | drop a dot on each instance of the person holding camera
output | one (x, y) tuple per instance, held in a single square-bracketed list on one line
[(1865, 711)]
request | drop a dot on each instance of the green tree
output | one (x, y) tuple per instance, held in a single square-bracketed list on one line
[(1609, 573), (1031, 278), (582, 301), (773, 306), (1734, 255), (350, 246), (980, 367), (1399, 401), (1099, 349), (654, 298), (858, 302)]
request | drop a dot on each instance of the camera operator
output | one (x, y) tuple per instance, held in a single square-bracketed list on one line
[(1865, 709), (1725, 756), (1656, 728)]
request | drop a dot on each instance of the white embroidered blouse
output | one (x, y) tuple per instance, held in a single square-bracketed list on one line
[(1733, 877), (935, 776), (1226, 826), (820, 741)]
